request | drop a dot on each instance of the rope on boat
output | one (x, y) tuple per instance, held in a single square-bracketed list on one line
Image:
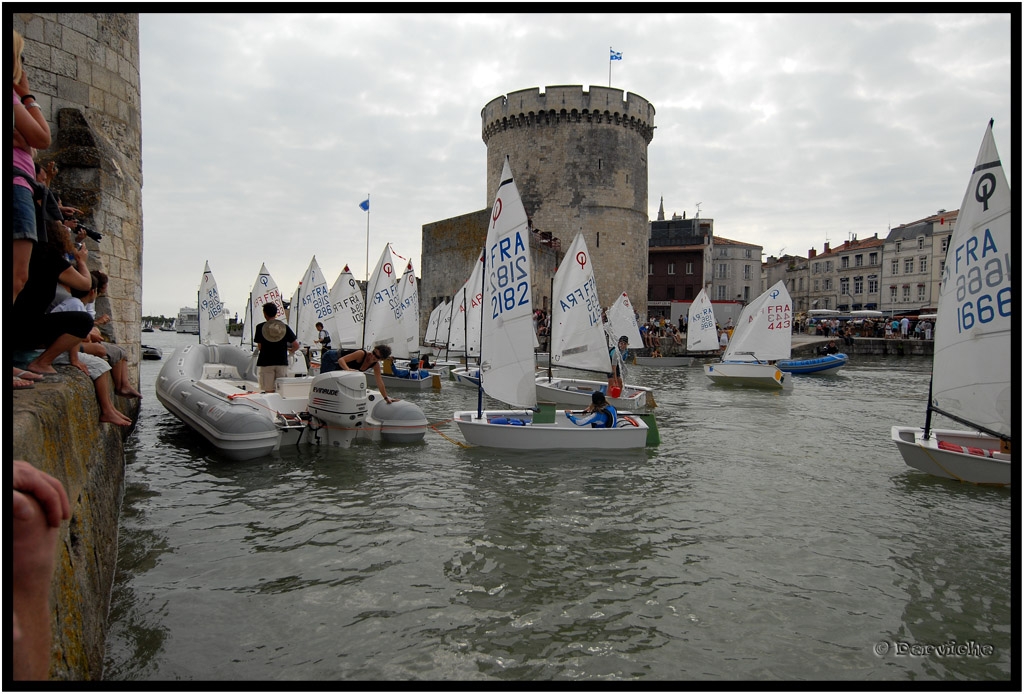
[(445, 436)]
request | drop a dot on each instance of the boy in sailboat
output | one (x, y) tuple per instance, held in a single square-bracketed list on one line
[(618, 355), (601, 415)]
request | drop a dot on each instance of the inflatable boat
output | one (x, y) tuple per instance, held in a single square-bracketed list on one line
[(214, 390), (829, 363)]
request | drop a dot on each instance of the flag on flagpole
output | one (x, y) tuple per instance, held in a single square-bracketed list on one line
[(615, 55), (365, 205)]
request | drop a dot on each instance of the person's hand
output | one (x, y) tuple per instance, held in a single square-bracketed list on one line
[(82, 254), (102, 320), (22, 86), (46, 489)]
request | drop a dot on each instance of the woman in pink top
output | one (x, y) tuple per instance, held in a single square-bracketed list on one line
[(30, 132)]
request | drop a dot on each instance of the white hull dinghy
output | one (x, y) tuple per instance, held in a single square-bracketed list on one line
[(764, 333), (973, 341), (213, 389), (576, 392), (507, 362)]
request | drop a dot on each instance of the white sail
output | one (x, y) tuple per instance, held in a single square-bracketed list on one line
[(430, 334), (293, 313), (507, 361), (701, 334), (444, 323), (349, 311), (212, 327), (462, 314), (970, 373), (264, 291), (622, 321), (577, 333), (764, 330), (313, 305), (384, 306), (410, 313)]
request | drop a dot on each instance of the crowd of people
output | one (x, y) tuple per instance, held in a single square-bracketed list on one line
[(55, 322)]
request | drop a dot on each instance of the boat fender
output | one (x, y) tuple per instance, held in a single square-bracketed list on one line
[(626, 419)]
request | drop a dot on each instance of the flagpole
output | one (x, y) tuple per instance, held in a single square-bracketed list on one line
[(367, 278), (609, 67)]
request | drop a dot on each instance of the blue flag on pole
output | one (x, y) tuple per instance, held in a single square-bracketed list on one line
[(365, 205), (616, 55)]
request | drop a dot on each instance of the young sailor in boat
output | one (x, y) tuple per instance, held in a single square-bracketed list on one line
[(601, 415), (358, 360), (619, 354)]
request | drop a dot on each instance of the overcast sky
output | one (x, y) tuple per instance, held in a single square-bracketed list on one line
[(262, 133)]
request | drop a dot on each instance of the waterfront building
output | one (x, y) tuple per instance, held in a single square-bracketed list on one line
[(915, 255)]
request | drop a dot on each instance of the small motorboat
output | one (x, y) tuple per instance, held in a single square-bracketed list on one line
[(151, 352), (825, 364), (214, 390)]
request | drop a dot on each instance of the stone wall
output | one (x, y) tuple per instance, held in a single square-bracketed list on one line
[(84, 71), (56, 428)]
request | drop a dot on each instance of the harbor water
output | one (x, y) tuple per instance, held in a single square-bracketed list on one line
[(770, 537)]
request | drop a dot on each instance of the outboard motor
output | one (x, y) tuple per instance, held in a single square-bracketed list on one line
[(339, 398)]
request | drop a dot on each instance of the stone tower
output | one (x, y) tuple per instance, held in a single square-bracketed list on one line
[(84, 70), (580, 160)]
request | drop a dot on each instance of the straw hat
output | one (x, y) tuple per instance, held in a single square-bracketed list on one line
[(274, 330)]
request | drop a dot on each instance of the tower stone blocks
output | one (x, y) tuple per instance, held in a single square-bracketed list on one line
[(580, 160)]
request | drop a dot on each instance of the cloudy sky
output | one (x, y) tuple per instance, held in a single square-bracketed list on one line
[(263, 133)]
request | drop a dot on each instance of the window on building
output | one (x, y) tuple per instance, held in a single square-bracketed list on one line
[(945, 244), (747, 273), (872, 286), (895, 267), (893, 294), (817, 268), (721, 293), (858, 260), (671, 268), (671, 292), (827, 284), (800, 283), (844, 285), (689, 268), (723, 253), (906, 292), (722, 267), (817, 288), (908, 266), (844, 262), (828, 266), (942, 267), (873, 258), (858, 285), (923, 264), (899, 245), (921, 292), (650, 268), (920, 242)]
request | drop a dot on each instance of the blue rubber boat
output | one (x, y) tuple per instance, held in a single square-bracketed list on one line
[(828, 363)]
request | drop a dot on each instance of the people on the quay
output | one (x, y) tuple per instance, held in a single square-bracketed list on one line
[(618, 354), (40, 505), (723, 339), (362, 360), (34, 327), (101, 309), (323, 337), (904, 327), (600, 414), (926, 325), (31, 131), (275, 342)]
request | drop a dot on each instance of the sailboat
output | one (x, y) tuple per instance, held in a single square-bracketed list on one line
[(971, 366), (212, 328), (701, 333), (763, 334), (349, 311), (212, 387), (312, 304), (391, 309), (465, 328), (578, 338), (506, 351)]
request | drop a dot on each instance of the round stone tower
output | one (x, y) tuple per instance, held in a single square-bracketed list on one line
[(580, 160)]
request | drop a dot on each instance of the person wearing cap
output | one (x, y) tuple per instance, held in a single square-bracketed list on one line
[(600, 414), (618, 355), (276, 343)]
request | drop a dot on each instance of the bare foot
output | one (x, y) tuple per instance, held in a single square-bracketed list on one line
[(129, 393), (116, 418), (36, 369)]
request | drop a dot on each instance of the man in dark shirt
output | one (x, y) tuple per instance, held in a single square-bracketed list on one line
[(276, 343)]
